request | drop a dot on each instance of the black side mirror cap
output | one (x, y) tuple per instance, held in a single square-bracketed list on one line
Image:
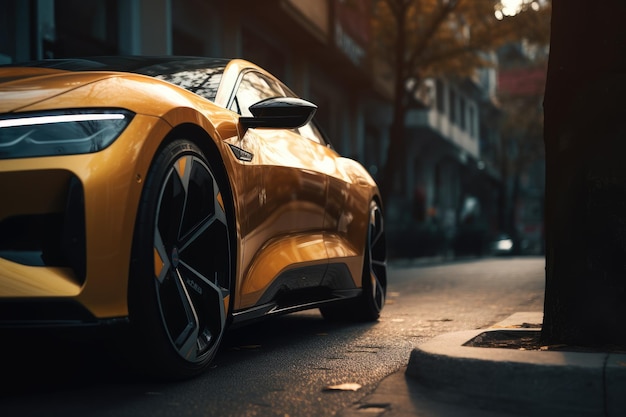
[(279, 113)]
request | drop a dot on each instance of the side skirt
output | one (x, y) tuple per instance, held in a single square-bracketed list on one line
[(267, 310)]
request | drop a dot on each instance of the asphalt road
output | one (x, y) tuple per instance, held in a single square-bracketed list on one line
[(280, 367)]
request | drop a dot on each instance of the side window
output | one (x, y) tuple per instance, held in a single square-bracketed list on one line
[(253, 88), (309, 130)]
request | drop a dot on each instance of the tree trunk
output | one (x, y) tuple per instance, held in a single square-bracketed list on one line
[(585, 140), (395, 156), (397, 130)]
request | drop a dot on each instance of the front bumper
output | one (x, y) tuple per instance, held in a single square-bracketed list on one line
[(66, 229)]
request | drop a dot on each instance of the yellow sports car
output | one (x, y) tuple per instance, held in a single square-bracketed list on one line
[(176, 195)]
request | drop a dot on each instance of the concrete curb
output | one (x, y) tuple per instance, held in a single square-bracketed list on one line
[(531, 382)]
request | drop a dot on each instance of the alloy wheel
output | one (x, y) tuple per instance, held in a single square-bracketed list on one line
[(191, 258), (376, 259)]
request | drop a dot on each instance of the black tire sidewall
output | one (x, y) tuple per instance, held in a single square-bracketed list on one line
[(151, 343), (367, 310)]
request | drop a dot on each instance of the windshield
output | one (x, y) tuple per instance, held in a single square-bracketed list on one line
[(199, 75)]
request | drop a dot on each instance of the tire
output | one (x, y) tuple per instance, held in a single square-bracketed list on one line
[(180, 282), (369, 304), (374, 268)]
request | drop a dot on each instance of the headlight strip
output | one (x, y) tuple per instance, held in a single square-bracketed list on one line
[(65, 133), (61, 118)]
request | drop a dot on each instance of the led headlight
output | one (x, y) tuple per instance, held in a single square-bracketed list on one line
[(60, 133)]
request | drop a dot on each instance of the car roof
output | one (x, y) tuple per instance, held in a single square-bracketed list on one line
[(146, 65)]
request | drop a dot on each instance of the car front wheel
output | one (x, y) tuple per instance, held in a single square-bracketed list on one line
[(179, 288)]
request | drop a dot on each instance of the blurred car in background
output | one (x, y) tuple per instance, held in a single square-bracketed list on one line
[(503, 244)]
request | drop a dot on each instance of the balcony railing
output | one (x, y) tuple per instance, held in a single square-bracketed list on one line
[(445, 129)]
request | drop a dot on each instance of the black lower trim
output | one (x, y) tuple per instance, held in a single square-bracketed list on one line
[(44, 313), (56, 238), (302, 289)]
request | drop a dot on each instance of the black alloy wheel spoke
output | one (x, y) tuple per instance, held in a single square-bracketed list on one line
[(379, 294), (186, 340), (377, 228), (188, 208), (199, 229), (376, 257)]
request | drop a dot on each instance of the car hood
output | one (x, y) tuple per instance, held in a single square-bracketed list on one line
[(21, 87)]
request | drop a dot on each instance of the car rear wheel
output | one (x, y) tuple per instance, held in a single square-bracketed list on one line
[(372, 299), (179, 289), (375, 268)]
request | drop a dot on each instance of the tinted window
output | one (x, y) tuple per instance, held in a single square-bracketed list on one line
[(201, 76), (253, 88)]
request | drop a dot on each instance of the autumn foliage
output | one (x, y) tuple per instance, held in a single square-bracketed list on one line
[(419, 39)]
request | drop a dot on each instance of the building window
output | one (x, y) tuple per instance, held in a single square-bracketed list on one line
[(462, 114), (372, 150), (324, 114), (186, 44), (471, 120), (8, 32), (94, 33), (452, 104), (440, 96), (264, 54), (399, 178)]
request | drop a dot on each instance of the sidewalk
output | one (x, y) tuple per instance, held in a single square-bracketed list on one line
[(445, 378)]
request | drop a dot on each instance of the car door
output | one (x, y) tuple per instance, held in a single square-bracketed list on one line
[(284, 249), (345, 219)]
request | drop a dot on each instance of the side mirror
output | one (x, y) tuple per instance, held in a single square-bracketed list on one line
[(279, 113)]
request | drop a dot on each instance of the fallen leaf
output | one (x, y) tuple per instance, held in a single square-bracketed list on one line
[(344, 387), (247, 347), (530, 325), (374, 408), (552, 347)]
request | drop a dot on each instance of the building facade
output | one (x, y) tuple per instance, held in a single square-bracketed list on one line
[(449, 193)]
